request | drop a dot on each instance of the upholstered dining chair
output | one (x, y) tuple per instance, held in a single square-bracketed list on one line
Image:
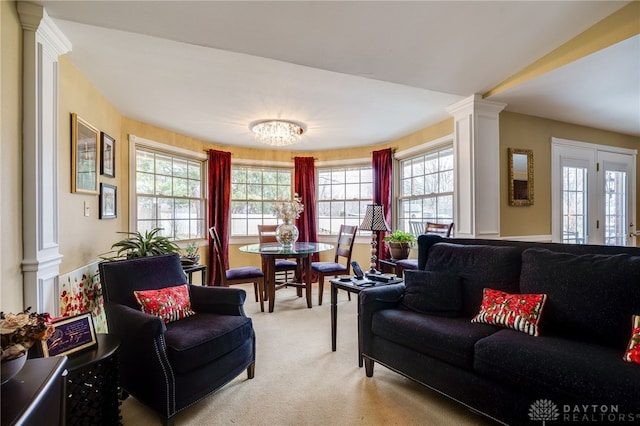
[(170, 358), (341, 264), (267, 234), (240, 275)]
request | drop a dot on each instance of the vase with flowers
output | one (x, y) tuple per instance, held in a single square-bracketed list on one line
[(287, 232), (18, 332)]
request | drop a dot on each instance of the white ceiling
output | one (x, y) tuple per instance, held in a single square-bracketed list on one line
[(355, 72)]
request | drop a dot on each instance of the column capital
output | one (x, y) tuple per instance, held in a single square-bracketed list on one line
[(34, 18), (475, 103)]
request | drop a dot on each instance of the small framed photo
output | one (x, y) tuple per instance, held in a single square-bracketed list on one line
[(108, 201), (71, 334), (108, 150)]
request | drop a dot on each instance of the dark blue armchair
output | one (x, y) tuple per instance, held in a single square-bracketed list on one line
[(171, 366)]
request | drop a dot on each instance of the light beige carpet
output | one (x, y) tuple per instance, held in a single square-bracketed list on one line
[(300, 381)]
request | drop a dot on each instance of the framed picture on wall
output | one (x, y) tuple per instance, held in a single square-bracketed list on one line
[(108, 201), (84, 156), (108, 151)]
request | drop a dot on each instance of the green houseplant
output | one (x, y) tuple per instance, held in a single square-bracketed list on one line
[(142, 245), (191, 254), (400, 243)]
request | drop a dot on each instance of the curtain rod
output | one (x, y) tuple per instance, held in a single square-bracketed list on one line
[(315, 158), (207, 151)]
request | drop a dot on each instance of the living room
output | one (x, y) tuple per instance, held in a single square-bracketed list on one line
[(79, 239)]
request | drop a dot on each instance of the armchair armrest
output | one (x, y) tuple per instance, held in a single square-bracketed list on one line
[(374, 299), (131, 324), (217, 300)]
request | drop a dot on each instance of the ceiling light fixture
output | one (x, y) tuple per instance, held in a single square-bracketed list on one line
[(277, 132)]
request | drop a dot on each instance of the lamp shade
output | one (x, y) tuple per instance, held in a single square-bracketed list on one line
[(374, 219)]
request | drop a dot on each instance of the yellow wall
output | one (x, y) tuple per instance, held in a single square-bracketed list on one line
[(528, 132), (83, 239), (10, 159)]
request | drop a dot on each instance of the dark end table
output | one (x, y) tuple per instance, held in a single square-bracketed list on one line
[(351, 287), (93, 390), (189, 270)]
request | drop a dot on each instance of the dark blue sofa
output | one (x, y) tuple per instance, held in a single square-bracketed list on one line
[(574, 366)]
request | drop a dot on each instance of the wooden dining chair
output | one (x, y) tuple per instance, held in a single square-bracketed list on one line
[(442, 229), (417, 227), (267, 234), (241, 275), (341, 264)]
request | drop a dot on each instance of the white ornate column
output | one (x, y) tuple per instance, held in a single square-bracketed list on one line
[(477, 156), (43, 43)]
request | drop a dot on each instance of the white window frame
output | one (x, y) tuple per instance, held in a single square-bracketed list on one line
[(446, 142), (271, 165), (339, 165), (138, 142)]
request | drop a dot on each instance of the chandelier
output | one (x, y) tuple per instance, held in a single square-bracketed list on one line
[(277, 132)]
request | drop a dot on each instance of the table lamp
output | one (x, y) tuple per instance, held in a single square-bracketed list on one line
[(374, 221)]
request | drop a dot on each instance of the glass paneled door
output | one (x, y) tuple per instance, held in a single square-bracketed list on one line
[(614, 183), (592, 195)]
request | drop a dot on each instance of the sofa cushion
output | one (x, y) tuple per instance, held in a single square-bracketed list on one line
[(437, 293), (479, 266), (577, 371), (632, 353), (518, 311), (590, 296), (202, 338), (169, 303), (448, 339)]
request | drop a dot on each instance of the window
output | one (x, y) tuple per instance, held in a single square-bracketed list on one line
[(426, 189), (254, 191), (169, 194), (343, 195)]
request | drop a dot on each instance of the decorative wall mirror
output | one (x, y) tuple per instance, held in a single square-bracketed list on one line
[(520, 177)]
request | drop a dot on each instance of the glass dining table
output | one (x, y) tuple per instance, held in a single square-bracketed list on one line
[(301, 251)]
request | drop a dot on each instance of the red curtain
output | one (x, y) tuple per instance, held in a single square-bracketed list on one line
[(305, 186), (382, 164), (219, 198)]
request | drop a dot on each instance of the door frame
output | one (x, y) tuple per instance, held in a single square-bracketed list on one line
[(558, 146)]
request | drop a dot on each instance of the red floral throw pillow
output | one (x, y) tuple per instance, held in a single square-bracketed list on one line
[(170, 303), (633, 350), (518, 311)]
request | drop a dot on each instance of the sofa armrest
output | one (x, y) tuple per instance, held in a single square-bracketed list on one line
[(218, 300), (372, 300)]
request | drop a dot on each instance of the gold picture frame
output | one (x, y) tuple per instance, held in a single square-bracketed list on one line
[(85, 156)]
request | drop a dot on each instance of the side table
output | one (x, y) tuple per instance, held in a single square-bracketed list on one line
[(92, 384), (351, 287), (189, 270)]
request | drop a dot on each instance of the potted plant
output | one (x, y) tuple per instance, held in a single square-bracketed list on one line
[(191, 254), (142, 245), (400, 244)]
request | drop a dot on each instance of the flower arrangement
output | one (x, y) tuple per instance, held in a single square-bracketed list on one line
[(289, 210), (20, 331)]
